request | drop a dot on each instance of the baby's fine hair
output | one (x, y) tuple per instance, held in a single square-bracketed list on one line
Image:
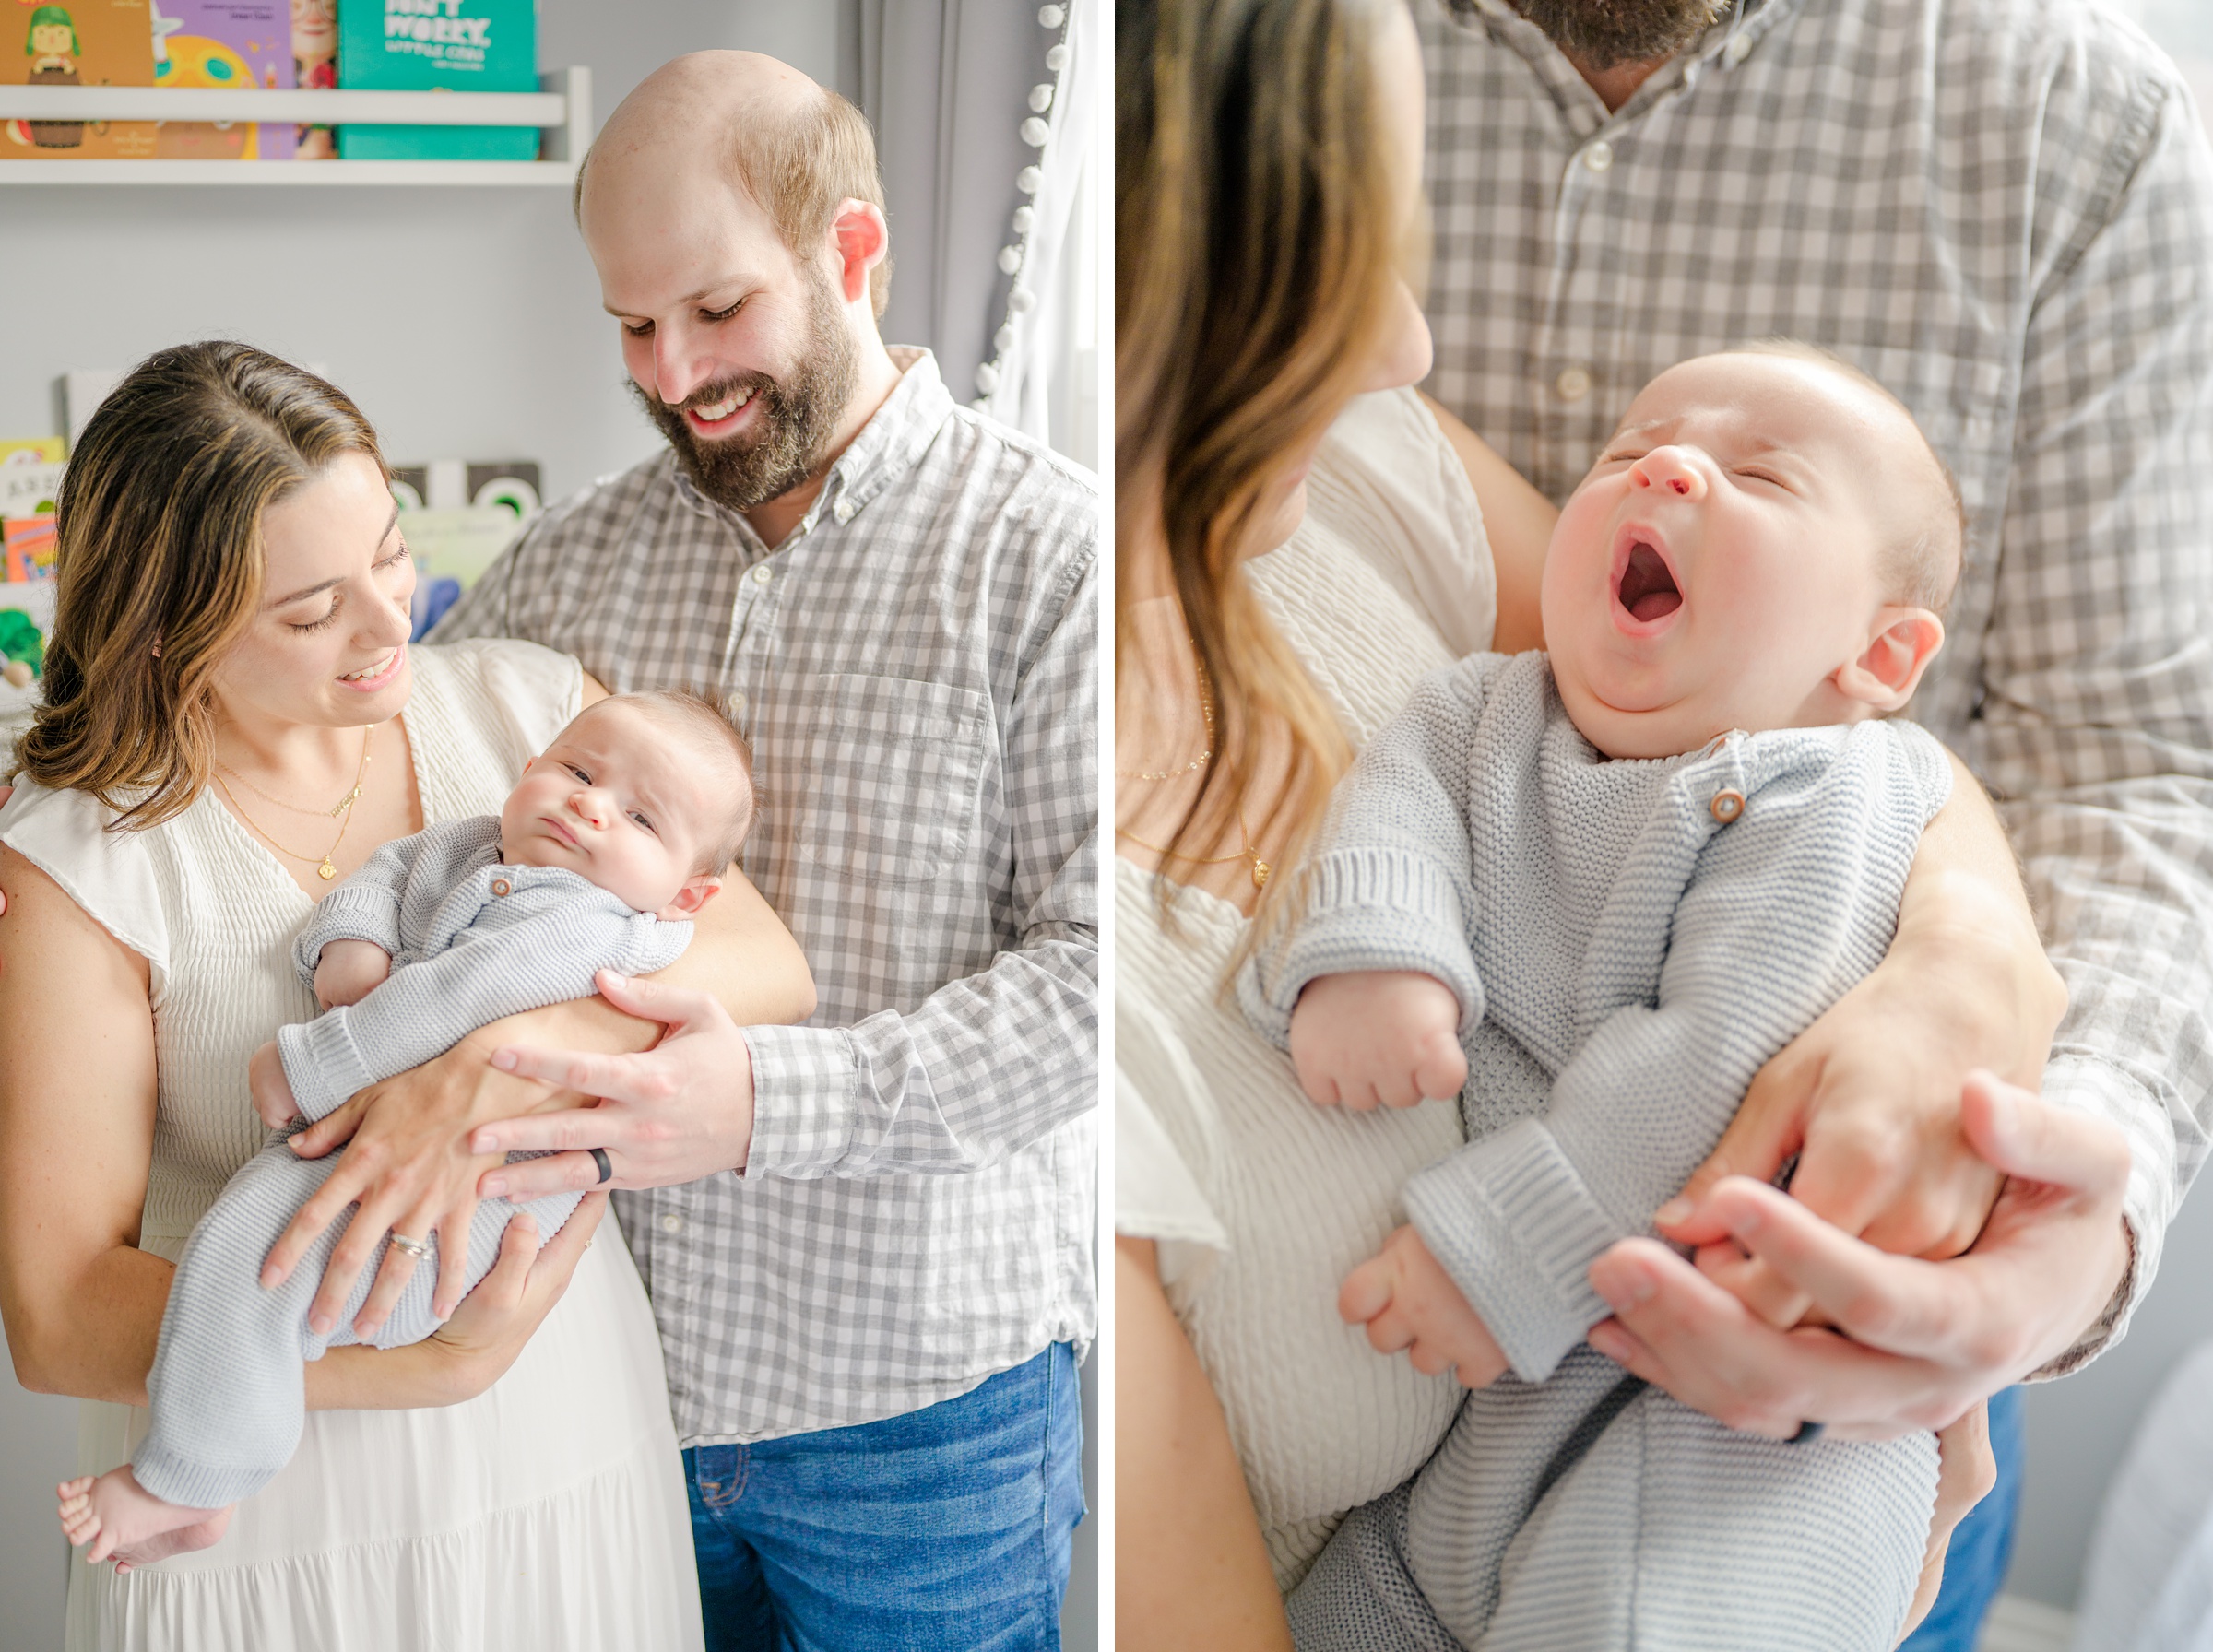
[(1922, 570), (705, 719)]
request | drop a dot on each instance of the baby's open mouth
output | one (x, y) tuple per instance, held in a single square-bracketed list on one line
[(1648, 589)]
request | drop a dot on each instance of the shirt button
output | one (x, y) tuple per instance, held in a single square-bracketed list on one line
[(843, 509), (1727, 804), (1599, 155), (672, 1224), (499, 886), (734, 703), (761, 574), (1574, 384), (1737, 50)]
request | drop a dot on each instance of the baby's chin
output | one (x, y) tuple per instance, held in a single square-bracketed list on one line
[(1664, 730)]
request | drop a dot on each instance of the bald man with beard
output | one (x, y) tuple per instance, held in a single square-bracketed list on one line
[(867, 1239)]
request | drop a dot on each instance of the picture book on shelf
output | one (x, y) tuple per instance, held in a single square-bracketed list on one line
[(85, 43), (230, 45), (433, 46), (316, 68)]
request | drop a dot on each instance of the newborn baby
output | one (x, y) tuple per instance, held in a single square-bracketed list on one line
[(616, 833), (1592, 894)]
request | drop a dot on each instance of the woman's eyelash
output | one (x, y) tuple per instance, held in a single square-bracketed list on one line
[(322, 623), (644, 329)]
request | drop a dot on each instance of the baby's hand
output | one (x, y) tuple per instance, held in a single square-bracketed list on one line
[(1387, 1037), (1406, 1299), (348, 971), (272, 1091)]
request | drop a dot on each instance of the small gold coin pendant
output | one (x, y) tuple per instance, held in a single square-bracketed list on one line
[(1260, 870), (327, 872)]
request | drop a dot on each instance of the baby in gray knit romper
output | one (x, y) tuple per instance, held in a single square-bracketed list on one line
[(1593, 893), (616, 833)]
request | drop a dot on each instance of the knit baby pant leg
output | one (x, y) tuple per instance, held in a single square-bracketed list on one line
[(228, 1387), (1580, 1515)]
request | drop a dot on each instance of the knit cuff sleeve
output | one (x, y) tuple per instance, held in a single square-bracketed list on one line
[(322, 1062), (1364, 909), (1511, 1219), (354, 910)]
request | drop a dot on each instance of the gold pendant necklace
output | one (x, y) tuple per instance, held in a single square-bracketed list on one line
[(1260, 868), (325, 868)]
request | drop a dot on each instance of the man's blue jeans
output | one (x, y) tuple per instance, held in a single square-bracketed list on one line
[(948, 1527), (1981, 1544)]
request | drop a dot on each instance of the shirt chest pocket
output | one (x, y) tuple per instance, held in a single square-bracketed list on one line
[(889, 777)]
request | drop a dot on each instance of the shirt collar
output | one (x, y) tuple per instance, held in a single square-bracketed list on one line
[(882, 451), (1585, 111)]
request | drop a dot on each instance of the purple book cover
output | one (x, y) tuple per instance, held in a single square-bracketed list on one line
[(232, 44)]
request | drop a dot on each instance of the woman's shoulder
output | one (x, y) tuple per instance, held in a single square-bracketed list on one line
[(1387, 485), (508, 695), (110, 874)]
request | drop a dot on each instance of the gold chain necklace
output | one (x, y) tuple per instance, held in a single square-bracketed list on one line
[(1206, 710), (348, 801), (324, 867), (1260, 868)]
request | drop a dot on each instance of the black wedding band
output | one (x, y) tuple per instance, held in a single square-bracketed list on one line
[(607, 1173), (1808, 1433)]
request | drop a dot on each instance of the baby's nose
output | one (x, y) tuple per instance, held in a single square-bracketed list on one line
[(1671, 470), (591, 803)]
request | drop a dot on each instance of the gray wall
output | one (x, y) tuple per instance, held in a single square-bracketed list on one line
[(467, 322)]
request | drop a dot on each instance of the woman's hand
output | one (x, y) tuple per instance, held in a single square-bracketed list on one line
[(1966, 1469), (408, 1167), (474, 1349), (1923, 1341)]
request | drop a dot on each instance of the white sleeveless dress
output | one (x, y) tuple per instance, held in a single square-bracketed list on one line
[(550, 1512), (1260, 1201)]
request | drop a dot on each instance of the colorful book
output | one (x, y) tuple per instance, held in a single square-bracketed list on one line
[(232, 45), (29, 490), (28, 544), (432, 45), (85, 43), (32, 450), (316, 68)]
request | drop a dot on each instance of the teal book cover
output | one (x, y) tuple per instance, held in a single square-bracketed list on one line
[(428, 45)]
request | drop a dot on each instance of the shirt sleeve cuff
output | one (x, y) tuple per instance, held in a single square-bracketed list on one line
[(1364, 909), (322, 1062), (806, 1097), (1509, 1219), (2086, 1083), (364, 910)]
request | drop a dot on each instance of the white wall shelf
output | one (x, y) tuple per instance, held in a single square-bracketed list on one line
[(563, 106)]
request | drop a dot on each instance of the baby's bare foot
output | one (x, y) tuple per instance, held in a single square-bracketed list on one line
[(123, 1522)]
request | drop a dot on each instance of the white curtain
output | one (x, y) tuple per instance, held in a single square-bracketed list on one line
[(953, 89)]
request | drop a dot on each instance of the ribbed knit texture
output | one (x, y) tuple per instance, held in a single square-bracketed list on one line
[(226, 1389), (1625, 962), (1260, 1201)]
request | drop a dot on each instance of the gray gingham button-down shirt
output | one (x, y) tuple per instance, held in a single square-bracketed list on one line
[(2002, 209), (915, 664)]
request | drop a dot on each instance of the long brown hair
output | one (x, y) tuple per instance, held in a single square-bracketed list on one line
[(160, 565), (1255, 258)]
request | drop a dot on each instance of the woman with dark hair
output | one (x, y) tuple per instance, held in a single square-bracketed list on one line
[(1301, 537), (233, 720)]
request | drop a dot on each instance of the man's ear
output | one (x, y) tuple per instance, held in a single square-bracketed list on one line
[(1902, 643), (697, 891), (860, 240)]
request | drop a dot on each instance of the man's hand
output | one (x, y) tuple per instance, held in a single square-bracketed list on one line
[(1373, 1038), (272, 1091), (1922, 1341), (348, 971), (1406, 1299), (1869, 1099), (681, 1111)]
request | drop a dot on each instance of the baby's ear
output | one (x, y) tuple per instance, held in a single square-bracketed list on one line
[(1903, 642), (698, 889)]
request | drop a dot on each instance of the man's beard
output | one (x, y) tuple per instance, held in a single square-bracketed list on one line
[(794, 419), (1605, 34)]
